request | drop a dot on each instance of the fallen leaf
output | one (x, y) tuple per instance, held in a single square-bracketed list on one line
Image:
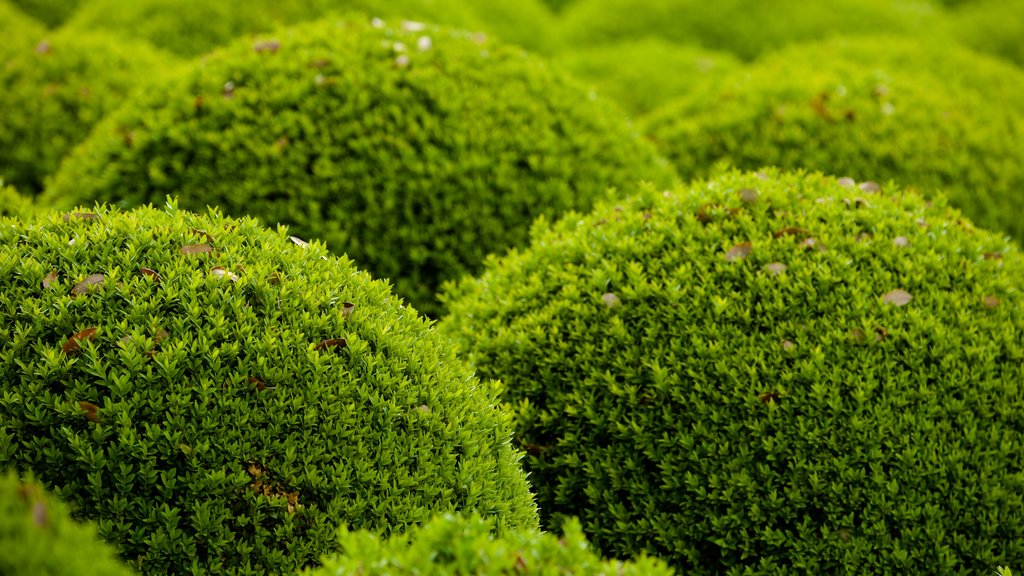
[(870, 186), (151, 274), (39, 514), (299, 241), (346, 309), (846, 182), (260, 384), (221, 272), (748, 195), (788, 345), (809, 243), (92, 411), (767, 397), (196, 249), (49, 280), (90, 283), (901, 241), (775, 268), (897, 298), (738, 252), (271, 46), (74, 344), (336, 343), (611, 300), (991, 301), (204, 234)]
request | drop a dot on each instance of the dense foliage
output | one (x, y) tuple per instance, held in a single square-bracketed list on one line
[(745, 27), (456, 545), (38, 537), (415, 151), (51, 12), (767, 374), (930, 117), (644, 74), (993, 26), (54, 91), (193, 27), (13, 204), (18, 31), (220, 398)]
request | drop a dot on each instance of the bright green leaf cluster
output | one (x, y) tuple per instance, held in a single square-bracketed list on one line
[(415, 151), (51, 12), (193, 27), (452, 545), (746, 28), (220, 398), (992, 26), (38, 537), (53, 92), (14, 205), (766, 374), (644, 74), (18, 31), (935, 118)]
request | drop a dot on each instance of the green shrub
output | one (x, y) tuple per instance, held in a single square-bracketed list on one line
[(745, 27), (220, 398), (51, 12), (931, 117), (766, 374), (13, 204), (195, 27), (644, 74), (53, 92), (415, 162), (459, 545), (992, 26), (17, 30), (38, 537)]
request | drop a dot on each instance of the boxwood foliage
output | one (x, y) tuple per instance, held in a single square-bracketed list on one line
[(54, 91), (416, 152), (456, 544), (38, 537), (992, 26), (13, 204), (18, 30), (932, 117), (644, 74), (51, 12), (745, 27), (220, 398), (193, 27), (766, 374)]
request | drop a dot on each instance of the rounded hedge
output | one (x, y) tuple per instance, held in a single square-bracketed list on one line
[(453, 545), (54, 91), (746, 28), (194, 27), (766, 374), (936, 118), (38, 537), (644, 74), (220, 398), (51, 12), (416, 152), (18, 31), (992, 26)]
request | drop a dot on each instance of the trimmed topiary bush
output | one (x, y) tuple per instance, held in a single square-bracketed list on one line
[(746, 28), (766, 374), (992, 26), (51, 12), (18, 31), (644, 74), (220, 398), (455, 544), (936, 118), (13, 204), (196, 27), (416, 152), (53, 92), (38, 537)]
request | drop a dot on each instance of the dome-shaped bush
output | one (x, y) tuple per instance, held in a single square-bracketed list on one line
[(644, 74), (745, 27), (766, 374), (221, 398), (195, 27), (929, 117), (53, 92), (13, 204), (453, 545), (992, 26), (38, 537), (51, 12), (18, 31), (416, 152)]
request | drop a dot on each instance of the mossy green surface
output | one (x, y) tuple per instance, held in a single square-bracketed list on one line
[(220, 398), (53, 13), (18, 30), (54, 91), (992, 26), (766, 374), (416, 152), (935, 118), (746, 28), (644, 74), (194, 27), (459, 545), (38, 537)]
